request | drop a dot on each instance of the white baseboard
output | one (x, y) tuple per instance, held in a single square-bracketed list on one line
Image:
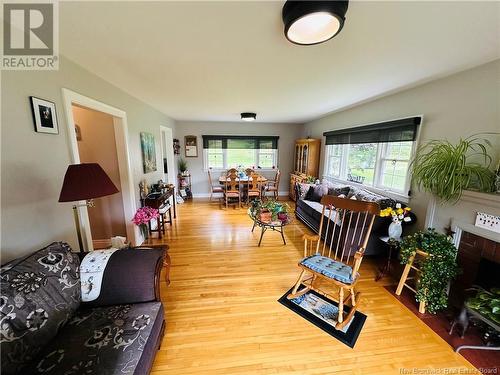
[(207, 195)]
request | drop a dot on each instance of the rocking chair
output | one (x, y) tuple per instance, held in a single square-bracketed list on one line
[(345, 227)]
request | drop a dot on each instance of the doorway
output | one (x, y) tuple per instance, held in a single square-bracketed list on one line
[(167, 152), (95, 136), (126, 184)]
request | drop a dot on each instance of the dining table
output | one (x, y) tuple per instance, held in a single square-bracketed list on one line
[(243, 180)]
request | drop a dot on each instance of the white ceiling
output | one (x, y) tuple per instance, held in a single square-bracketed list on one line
[(212, 60)]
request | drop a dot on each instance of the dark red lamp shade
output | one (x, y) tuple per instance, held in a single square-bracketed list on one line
[(85, 181)]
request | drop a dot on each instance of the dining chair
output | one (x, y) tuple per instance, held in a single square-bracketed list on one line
[(272, 186), (249, 171), (232, 187), (213, 189), (254, 187), (338, 247)]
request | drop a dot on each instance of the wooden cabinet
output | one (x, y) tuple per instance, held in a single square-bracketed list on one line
[(305, 162)]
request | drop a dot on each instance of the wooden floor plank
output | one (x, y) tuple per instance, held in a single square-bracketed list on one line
[(223, 316)]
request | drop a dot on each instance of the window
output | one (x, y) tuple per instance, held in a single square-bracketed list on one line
[(376, 155), (381, 165), (224, 152), (334, 157)]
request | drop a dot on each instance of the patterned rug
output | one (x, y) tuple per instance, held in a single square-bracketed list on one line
[(322, 312)]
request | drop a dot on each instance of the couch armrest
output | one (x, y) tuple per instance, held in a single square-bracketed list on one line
[(131, 276)]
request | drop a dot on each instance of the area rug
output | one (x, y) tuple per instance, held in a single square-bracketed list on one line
[(440, 323), (322, 312)]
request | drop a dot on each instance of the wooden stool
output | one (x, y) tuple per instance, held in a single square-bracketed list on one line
[(402, 282)]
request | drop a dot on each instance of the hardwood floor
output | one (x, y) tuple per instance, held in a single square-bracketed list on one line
[(223, 316)]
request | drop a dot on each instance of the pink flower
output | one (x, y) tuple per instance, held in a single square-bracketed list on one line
[(144, 215)]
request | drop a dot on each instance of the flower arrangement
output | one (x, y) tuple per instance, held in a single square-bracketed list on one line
[(397, 214), (143, 216)]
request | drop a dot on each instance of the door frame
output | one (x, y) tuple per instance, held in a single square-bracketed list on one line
[(168, 152), (124, 166)]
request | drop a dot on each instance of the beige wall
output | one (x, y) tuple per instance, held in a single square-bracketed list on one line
[(33, 164), (98, 145), (453, 107), (288, 133)]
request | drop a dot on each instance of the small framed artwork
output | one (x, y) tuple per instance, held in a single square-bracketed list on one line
[(148, 152), (191, 146), (44, 116)]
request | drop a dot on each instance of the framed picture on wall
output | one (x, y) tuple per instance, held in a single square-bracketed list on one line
[(148, 152), (44, 116), (191, 146)]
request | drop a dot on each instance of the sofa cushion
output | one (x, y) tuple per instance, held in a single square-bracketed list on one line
[(316, 192), (39, 294), (303, 188), (368, 196), (329, 267), (103, 340)]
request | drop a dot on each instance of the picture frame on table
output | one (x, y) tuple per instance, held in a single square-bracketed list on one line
[(44, 115), (191, 146)]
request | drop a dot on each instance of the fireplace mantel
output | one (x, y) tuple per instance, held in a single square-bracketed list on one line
[(485, 199), (458, 226)]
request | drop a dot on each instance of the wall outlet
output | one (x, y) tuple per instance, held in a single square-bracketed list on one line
[(487, 221)]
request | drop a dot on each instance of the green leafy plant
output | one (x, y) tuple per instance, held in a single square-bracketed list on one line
[(437, 270), (445, 169), (310, 179), (182, 165), (272, 206), (487, 303)]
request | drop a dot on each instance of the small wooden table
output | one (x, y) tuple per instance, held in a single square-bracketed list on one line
[(393, 245), (160, 200)]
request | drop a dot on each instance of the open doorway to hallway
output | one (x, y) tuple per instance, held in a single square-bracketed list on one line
[(95, 135)]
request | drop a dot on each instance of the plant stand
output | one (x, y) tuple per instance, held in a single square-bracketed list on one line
[(405, 276)]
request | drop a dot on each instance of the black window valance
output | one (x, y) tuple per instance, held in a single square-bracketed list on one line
[(382, 132), (240, 142)]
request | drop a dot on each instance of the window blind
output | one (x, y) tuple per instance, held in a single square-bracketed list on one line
[(383, 132), (240, 142)]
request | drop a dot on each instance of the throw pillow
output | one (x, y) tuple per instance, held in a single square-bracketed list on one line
[(303, 189), (340, 190)]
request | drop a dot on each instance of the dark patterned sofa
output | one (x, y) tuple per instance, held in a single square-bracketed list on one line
[(308, 209), (46, 329)]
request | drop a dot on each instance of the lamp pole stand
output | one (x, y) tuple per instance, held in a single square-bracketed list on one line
[(77, 225)]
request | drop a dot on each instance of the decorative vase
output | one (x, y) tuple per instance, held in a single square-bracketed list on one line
[(395, 230), (144, 231)]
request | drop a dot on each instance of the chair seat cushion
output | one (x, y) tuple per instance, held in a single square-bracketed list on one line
[(217, 189), (232, 194), (104, 340), (271, 188), (329, 268)]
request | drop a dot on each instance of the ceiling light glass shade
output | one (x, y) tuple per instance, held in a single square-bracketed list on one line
[(313, 22), (248, 116)]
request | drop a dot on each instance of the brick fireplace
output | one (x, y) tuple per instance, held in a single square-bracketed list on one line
[(479, 259)]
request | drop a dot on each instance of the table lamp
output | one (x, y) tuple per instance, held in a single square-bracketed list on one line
[(85, 181)]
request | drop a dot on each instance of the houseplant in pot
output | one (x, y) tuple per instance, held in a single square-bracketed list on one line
[(183, 167), (445, 169), (437, 269)]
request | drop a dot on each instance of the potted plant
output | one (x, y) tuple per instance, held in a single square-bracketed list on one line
[(142, 217), (398, 215), (445, 169), (183, 167), (436, 270), (487, 303)]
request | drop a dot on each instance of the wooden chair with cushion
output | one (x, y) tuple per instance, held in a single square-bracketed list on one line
[(254, 187), (213, 189), (344, 229), (249, 171), (232, 188), (273, 186)]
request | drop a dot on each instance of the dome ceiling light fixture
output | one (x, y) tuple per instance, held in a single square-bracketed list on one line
[(313, 22), (248, 116)]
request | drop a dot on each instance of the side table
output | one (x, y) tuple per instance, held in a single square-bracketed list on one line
[(393, 245)]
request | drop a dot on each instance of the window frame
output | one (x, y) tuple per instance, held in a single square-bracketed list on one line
[(225, 166), (382, 153)]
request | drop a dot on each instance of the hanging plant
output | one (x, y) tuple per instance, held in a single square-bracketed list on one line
[(437, 270), (446, 169)]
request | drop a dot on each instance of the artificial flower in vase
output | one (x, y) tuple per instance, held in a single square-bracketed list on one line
[(142, 217), (398, 215)]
